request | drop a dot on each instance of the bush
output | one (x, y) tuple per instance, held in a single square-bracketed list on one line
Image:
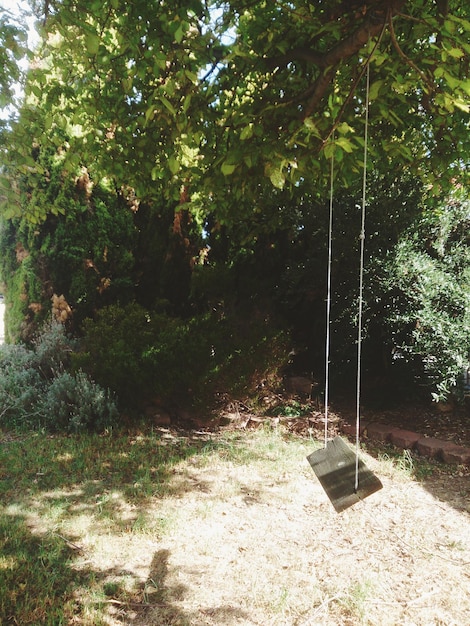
[(143, 356), (37, 391), (52, 349), (20, 387), (423, 292), (112, 350), (74, 403)]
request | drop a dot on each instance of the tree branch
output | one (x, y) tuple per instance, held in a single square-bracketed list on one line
[(407, 60), (353, 88), (344, 49), (373, 24)]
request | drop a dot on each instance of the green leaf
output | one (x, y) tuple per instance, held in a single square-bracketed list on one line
[(173, 164), (156, 173), (192, 76), (375, 89), (344, 128), (180, 32), (463, 106), (37, 91), (160, 61), (127, 84), (168, 105), (451, 80), (228, 168), (329, 150), (186, 103), (456, 53), (92, 42), (465, 85), (345, 144), (449, 26), (278, 179), (247, 132)]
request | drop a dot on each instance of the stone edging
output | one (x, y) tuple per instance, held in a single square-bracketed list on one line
[(445, 451)]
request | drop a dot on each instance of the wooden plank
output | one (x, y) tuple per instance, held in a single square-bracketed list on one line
[(335, 468)]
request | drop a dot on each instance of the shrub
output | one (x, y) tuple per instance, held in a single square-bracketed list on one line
[(74, 403), (20, 387), (37, 391), (52, 348), (142, 355), (423, 292), (112, 350)]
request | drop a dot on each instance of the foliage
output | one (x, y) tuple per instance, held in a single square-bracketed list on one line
[(12, 51), (73, 403), (222, 98), (318, 54), (112, 348), (143, 356), (23, 286), (177, 156), (425, 299), (36, 391), (84, 249)]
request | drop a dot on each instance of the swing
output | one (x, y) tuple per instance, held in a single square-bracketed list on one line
[(342, 474)]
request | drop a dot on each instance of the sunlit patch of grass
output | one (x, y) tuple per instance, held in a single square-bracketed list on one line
[(405, 463), (355, 600), (66, 498)]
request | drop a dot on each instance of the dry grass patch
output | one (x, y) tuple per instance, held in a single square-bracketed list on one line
[(226, 529)]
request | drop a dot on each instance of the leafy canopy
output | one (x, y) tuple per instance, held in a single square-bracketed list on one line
[(225, 98)]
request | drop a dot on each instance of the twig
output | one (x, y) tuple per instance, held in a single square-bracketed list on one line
[(424, 595), (319, 609), (74, 546), (144, 605), (406, 58)]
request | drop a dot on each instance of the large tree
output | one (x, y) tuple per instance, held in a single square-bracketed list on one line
[(208, 101), (216, 120)]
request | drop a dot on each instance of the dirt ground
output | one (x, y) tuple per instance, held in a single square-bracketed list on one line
[(258, 543), (244, 535), (447, 422)]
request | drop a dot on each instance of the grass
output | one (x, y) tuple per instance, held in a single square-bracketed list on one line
[(58, 491), (179, 529)]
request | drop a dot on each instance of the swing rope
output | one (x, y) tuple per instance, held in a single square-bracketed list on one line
[(361, 286), (328, 298), (361, 277)]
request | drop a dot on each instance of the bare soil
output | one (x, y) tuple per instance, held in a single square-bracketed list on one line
[(443, 421), (245, 535), (256, 542)]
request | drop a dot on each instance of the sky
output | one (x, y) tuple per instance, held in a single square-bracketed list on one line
[(19, 11)]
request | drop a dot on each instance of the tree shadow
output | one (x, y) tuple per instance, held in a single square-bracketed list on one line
[(446, 483), (48, 485), (37, 581), (159, 597)]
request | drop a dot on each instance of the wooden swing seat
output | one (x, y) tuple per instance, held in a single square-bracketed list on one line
[(335, 468)]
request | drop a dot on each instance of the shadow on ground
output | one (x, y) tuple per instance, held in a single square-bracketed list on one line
[(51, 483)]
